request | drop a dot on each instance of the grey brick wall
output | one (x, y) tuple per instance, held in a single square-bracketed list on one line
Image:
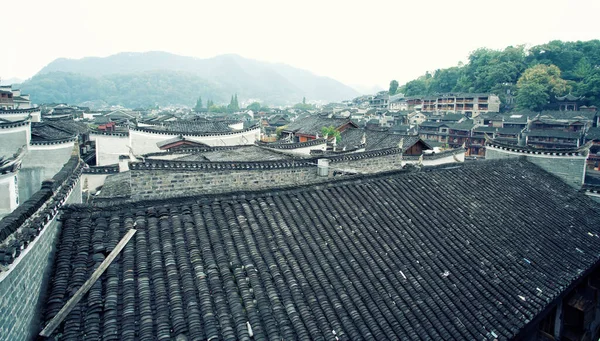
[(494, 155), (154, 184), (23, 287), (568, 169)]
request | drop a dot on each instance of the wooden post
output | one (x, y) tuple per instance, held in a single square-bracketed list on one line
[(57, 320), (558, 321)]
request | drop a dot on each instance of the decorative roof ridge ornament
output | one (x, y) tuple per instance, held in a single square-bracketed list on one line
[(401, 144), (363, 140)]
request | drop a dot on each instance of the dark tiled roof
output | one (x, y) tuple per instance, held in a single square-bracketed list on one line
[(486, 129), (464, 126), (569, 97), (507, 131), (57, 129), (510, 131), (569, 115), (519, 117), (45, 131), (593, 134), (293, 145), (433, 124), (502, 144), (26, 222), (556, 114), (385, 257), (376, 139), (116, 186), (554, 133), (241, 154), (312, 124), (452, 117)]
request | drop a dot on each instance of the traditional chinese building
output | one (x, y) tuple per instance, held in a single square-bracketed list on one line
[(569, 102)]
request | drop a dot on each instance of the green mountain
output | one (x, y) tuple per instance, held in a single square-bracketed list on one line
[(531, 77), (134, 79)]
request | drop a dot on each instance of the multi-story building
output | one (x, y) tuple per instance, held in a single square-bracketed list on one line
[(471, 105), (13, 98), (6, 99), (381, 100)]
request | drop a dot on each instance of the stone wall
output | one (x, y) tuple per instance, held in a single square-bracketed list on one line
[(369, 165), (165, 179), (23, 287), (153, 184), (571, 169)]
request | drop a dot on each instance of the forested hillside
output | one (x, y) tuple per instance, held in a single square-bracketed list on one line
[(141, 79), (130, 90), (532, 77)]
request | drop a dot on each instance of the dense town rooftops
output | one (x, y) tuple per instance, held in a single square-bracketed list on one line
[(375, 140), (193, 127), (555, 114), (281, 144), (242, 154), (478, 251), (312, 124)]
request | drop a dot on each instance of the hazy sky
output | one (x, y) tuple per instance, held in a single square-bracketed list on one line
[(356, 42)]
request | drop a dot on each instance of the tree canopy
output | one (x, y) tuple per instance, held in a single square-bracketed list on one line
[(254, 106), (331, 132), (304, 105), (577, 64), (536, 84), (198, 106), (393, 87)]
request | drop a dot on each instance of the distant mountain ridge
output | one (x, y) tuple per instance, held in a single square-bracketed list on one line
[(9, 81), (224, 75)]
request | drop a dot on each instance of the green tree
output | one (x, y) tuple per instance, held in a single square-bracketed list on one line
[(393, 87), (536, 85), (303, 105), (218, 108), (331, 132), (198, 106), (255, 106), (209, 105), (233, 104), (590, 87)]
